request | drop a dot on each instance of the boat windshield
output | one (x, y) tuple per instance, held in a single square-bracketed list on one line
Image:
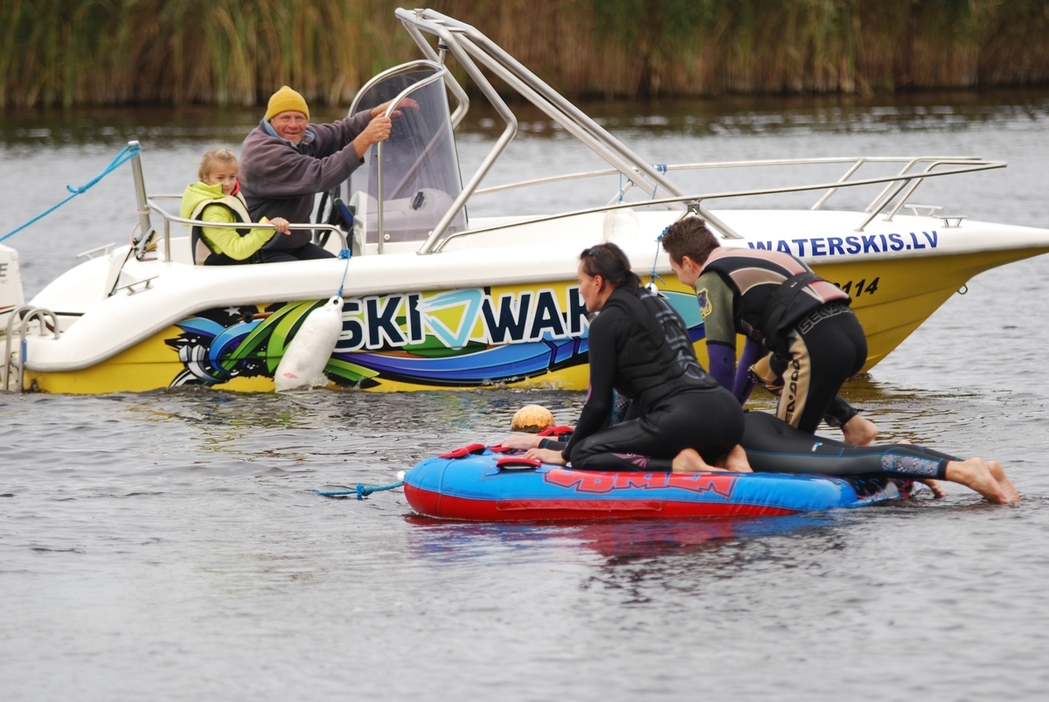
[(420, 168)]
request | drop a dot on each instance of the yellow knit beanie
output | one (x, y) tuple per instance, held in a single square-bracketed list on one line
[(284, 100)]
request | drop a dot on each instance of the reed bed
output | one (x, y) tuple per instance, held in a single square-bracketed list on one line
[(229, 52)]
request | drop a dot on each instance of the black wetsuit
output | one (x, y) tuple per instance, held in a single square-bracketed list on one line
[(639, 347), (773, 446)]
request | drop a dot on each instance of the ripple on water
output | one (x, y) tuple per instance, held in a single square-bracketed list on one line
[(170, 545)]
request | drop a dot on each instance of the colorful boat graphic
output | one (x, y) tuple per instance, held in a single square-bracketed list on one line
[(451, 339)]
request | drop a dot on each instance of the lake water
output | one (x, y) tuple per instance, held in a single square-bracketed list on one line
[(168, 546)]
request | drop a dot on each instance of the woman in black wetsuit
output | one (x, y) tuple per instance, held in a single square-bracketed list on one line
[(685, 421), (773, 446), (640, 348)]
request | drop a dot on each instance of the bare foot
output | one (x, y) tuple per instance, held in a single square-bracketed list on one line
[(689, 461), (859, 431), (736, 461), (937, 490), (1003, 480), (976, 475)]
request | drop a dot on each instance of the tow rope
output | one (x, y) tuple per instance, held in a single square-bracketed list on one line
[(123, 157), (361, 491)]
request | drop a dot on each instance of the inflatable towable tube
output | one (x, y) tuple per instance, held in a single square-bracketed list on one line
[(476, 484)]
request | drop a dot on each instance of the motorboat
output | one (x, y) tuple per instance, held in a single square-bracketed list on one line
[(436, 298)]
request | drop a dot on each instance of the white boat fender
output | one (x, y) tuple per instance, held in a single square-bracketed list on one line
[(620, 225), (305, 357)]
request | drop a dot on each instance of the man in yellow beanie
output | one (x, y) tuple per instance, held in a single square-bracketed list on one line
[(286, 161)]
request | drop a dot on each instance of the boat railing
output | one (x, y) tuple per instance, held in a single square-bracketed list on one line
[(856, 164), (18, 323), (90, 253), (169, 218), (474, 51), (480, 58), (906, 181), (436, 66), (913, 172)]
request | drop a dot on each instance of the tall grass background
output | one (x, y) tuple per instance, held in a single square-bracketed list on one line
[(230, 52)]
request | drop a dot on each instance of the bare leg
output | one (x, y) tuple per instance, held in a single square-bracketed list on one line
[(1003, 480), (689, 461), (859, 431), (976, 474)]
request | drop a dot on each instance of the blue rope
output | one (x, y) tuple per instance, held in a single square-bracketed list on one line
[(660, 168), (655, 260), (346, 254), (361, 491), (123, 157)]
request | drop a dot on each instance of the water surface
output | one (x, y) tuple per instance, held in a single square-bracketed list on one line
[(168, 546)]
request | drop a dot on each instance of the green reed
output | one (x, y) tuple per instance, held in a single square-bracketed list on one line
[(236, 52)]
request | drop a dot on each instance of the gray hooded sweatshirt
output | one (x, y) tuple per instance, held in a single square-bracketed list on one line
[(280, 179)]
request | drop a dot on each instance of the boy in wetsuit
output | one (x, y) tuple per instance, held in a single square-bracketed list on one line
[(782, 307)]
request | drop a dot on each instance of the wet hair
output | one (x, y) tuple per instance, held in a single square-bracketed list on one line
[(609, 262), (215, 156), (689, 237)]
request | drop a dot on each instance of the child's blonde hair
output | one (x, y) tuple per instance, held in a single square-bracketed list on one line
[(219, 155)]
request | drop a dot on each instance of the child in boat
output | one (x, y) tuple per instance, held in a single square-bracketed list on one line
[(216, 198)]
